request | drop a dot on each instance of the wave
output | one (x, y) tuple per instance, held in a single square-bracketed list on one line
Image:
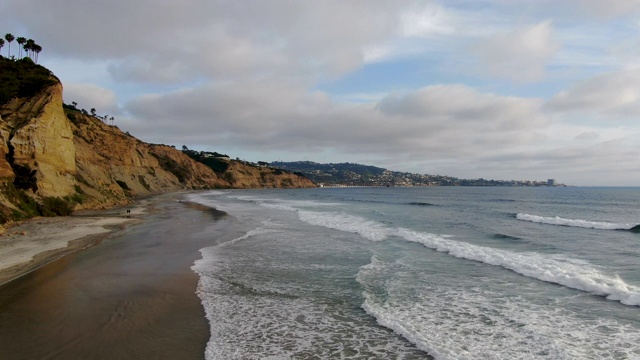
[(577, 223), (506, 237), (368, 229), (518, 326), (421, 203), (568, 272)]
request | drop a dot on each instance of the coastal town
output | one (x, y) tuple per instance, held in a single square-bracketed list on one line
[(349, 175)]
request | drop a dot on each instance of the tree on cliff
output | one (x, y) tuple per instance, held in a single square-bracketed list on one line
[(27, 48), (32, 48), (36, 49), (9, 39), (1, 44), (21, 41)]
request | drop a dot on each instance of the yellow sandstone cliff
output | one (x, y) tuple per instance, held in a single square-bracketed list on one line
[(50, 152)]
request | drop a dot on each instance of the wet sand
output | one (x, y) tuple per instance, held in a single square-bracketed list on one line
[(132, 296)]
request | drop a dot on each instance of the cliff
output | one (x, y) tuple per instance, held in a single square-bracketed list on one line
[(241, 175), (54, 160)]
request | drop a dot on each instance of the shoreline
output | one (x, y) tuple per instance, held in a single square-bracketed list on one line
[(27, 246), (125, 291)]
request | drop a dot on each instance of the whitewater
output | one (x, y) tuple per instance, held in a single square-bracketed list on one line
[(364, 273)]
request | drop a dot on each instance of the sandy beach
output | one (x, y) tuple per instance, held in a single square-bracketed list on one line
[(129, 293), (30, 245)]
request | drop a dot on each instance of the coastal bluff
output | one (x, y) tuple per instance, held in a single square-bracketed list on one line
[(54, 156)]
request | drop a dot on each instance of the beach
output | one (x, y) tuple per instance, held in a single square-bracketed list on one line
[(107, 284)]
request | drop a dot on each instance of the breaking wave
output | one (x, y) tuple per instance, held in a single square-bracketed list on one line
[(603, 225)]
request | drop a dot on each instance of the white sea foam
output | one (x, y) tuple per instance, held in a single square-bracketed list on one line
[(280, 327), (251, 318), (568, 272), (289, 204), (572, 273), (249, 234), (368, 229), (468, 322), (574, 222)]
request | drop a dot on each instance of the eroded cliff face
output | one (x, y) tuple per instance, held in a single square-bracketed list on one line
[(244, 176), (37, 143), (47, 151), (113, 166)]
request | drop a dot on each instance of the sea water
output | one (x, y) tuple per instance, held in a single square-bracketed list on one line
[(414, 273)]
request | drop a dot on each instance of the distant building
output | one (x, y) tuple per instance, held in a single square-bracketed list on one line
[(551, 182)]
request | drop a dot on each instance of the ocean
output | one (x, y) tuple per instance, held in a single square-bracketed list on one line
[(419, 273)]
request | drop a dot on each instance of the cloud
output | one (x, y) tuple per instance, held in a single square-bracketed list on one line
[(448, 120), (519, 55), (426, 20), (91, 96), (212, 39), (607, 9), (589, 135), (616, 95)]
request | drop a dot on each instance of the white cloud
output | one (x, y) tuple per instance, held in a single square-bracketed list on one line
[(453, 121), (426, 20), (91, 96), (212, 38), (519, 55), (614, 95)]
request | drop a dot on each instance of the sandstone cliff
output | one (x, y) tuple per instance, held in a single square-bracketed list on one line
[(241, 175), (48, 152)]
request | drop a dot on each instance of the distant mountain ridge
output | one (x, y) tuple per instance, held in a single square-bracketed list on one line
[(350, 174)]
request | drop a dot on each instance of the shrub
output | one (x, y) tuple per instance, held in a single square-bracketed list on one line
[(55, 206), (170, 165), (22, 78), (217, 165), (228, 177)]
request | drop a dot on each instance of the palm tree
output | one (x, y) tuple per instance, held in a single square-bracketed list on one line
[(36, 49), (1, 43), (29, 47), (9, 39), (21, 40)]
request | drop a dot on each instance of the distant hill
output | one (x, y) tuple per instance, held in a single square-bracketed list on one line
[(349, 174)]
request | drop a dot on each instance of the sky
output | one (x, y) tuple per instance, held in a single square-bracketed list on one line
[(493, 89)]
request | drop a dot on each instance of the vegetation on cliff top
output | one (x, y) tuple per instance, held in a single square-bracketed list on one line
[(31, 49), (22, 78)]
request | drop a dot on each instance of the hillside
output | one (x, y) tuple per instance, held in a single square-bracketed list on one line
[(349, 174), (242, 174), (56, 159)]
